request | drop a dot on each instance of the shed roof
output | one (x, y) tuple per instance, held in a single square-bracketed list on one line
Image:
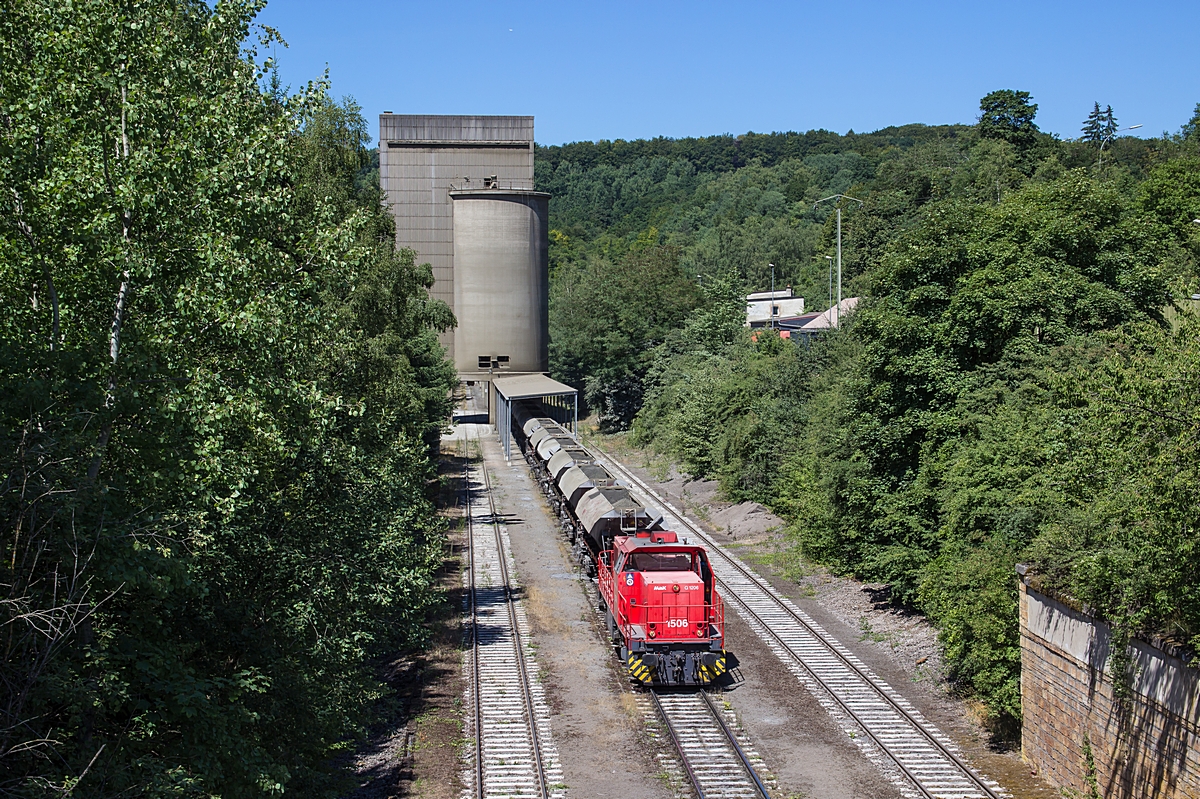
[(529, 386), (827, 320)]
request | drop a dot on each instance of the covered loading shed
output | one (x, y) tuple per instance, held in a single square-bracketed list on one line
[(560, 401)]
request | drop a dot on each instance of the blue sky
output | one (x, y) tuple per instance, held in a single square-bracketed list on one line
[(611, 70)]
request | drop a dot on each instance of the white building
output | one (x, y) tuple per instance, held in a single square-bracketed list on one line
[(763, 308)]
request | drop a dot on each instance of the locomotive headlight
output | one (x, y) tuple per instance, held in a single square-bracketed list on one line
[(675, 588), (653, 634)]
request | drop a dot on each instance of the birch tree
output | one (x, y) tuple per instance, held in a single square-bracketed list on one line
[(216, 392)]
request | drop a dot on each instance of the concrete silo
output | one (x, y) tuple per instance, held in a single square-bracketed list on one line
[(501, 281), (422, 157)]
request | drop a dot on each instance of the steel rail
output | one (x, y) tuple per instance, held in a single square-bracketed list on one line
[(519, 656), (699, 759), (737, 748), (476, 680), (821, 637), (849, 711), (683, 758), (535, 742)]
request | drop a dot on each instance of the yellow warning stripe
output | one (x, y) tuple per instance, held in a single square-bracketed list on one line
[(645, 674), (709, 674), (639, 669)]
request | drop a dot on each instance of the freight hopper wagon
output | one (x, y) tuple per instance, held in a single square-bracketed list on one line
[(658, 593)]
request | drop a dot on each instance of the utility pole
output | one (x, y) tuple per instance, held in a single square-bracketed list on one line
[(838, 197), (837, 314), (772, 305)]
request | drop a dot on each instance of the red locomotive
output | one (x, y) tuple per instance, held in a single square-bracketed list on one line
[(658, 593), (663, 609)]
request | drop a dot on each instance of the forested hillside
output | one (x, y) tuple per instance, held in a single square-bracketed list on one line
[(218, 383), (1018, 385)]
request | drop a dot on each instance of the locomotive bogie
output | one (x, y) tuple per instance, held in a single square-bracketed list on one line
[(663, 666)]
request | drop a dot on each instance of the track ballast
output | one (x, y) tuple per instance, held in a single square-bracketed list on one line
[(712, 757), (513, 755)]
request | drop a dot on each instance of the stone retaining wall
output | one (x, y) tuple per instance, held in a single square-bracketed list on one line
[(1077, 734)]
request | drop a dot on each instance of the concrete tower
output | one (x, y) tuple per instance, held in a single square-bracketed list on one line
[(461, 190)]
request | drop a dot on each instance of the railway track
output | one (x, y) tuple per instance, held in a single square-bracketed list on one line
[(712, 757), (708, 752), (514, 756), (926, 759)]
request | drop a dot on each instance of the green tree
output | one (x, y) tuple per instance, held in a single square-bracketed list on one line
[(1007, 114), (607, 317), (1093, 126), (1127, 542), (1108, 127), (1191, 129), (214, 389), (941, 462)]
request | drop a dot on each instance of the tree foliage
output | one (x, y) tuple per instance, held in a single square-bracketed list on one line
[(1191, 129), (218, 381), (1093, 126), (1008, 115), (632, 305), (1015, 299), (1126, 541)]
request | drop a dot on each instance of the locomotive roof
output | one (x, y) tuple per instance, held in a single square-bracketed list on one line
[(658, 538)]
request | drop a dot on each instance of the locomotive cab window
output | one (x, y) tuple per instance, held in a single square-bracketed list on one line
[(659, 562)]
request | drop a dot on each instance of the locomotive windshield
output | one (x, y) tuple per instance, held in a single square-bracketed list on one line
[(659, 562)]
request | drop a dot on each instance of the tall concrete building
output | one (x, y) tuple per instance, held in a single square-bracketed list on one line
[(461, 190)]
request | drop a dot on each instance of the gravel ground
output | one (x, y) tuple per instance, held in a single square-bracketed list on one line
[(808, 754)]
